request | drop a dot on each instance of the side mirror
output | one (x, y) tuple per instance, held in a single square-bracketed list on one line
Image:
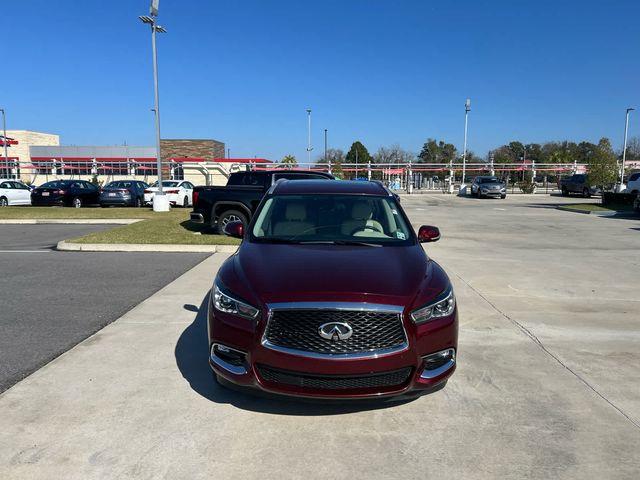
[(234, 229), (428, 233)]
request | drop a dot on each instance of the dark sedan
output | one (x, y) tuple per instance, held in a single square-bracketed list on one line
[(331, 295), (124, 193), (73, 193)]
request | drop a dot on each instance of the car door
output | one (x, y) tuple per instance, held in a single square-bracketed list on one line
[(188, 191), (91, 193), (6, 192), (22, 193)]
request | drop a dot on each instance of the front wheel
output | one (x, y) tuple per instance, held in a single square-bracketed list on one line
[(586, 193), (565, 192), (76, 202), (231, 216), (503, 196), (138, 203), (185, 202), (4, 202)]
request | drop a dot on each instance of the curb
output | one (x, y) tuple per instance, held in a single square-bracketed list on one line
[(131, 247), (73, 221), (574, 210)]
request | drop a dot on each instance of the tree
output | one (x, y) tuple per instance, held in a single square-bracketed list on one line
[(361, 158), (603, 165), (437, 152), (335, 156), (289, 160), (633, 149)]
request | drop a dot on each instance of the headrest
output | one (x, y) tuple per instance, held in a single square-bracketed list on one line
[(361, 211), (296, 212)]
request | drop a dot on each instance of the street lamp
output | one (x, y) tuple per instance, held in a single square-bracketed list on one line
[(309, 147), (624, 148), (467, 109), (326, 159), (160, 200), (4, 139)]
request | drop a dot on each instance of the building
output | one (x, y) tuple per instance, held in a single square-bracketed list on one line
[(38, 157), (18, 148)]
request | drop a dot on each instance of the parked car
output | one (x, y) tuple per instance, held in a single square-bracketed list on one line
[(180, 192), (14, 192), (483, 186), (217, 206), (126, 193), (633, 183), (331, 295), (74, 193), (578, 183)]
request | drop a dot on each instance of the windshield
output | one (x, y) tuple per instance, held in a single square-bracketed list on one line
[(165, 183), (490, 180), (327, 218)]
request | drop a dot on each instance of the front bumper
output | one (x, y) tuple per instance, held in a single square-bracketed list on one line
[(239, 357)]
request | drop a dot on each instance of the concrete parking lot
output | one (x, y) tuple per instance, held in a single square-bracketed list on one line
[(546, 385)]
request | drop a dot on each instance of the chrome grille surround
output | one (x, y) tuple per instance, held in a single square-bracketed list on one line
[(392, 313)]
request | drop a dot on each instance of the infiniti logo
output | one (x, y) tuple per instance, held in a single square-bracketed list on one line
[(335, 331)]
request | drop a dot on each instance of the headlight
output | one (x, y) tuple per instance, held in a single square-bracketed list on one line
[(227, 304), (442, 306)]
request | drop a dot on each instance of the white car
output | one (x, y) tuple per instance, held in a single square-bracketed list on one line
[(13, 192), (633, 183), (180, 192)]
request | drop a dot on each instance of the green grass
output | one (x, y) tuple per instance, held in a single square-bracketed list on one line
[(171, 227), (60, 213), (593, 207)]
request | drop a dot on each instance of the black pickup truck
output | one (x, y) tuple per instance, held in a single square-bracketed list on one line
[(217, 206)]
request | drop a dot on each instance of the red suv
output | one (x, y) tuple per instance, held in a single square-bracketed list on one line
[(331, 295)]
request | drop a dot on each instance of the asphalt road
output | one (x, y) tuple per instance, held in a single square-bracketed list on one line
[(50, 301)]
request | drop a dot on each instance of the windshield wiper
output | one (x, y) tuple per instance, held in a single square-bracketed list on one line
[(339, 242)]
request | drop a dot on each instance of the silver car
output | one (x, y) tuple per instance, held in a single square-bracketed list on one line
[(488, 187)]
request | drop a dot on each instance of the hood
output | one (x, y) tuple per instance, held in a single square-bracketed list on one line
[(297, 273)]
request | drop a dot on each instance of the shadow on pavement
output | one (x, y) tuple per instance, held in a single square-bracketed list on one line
[(191, 358)]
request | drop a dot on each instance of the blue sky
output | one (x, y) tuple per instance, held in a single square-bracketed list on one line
[(378, 71)]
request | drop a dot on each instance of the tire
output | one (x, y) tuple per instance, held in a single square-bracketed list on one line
[(76, 202), (231, 216), (586, 193), (479, 194), (503, 197), (185, 202), (565, 192), (138, 203), (4, 202)]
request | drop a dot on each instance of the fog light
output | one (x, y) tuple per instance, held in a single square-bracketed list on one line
[(435, 364), (229, 355)]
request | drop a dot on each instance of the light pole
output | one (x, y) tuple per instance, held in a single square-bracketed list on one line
[(160, 200), (309, 147), (624, 148), (467, 109), (326, 160), (4, 139)]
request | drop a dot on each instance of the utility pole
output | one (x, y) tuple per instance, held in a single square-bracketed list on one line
[(624, 148), (4, 140), (160, 200), (309, 147), (326, 159), (467, 109)]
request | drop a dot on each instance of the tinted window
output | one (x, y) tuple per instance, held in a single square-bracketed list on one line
[(298, 176), (634, 177), (6, 185), (20, 186), (246, 178)]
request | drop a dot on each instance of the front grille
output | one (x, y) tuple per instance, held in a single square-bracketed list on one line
[(372, 331), (334, 382)]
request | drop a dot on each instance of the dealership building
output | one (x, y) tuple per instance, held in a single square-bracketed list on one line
[(38, 157)]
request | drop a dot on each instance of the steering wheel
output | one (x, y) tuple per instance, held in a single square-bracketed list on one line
[(365, 228)]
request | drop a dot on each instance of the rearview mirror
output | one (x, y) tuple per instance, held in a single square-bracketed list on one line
[(234, 229), (428, 233)]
